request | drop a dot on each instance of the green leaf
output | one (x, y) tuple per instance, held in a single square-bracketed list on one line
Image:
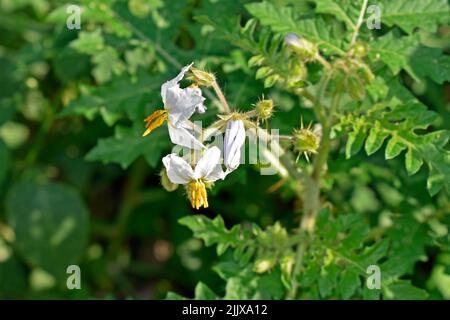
[(393, 148), (355, 142), (436, 181), (438, 161), (410, 14), (121, 95), (346, 11), (281, 19), (203, 292), (174, 296), (127, 145), (328, 280), (371, 294), (210, 231), (349, 282), (375, 139), (404, 290), (50, 222), (227, 269), (413, 161), (372, 254), (89, 42), (263, 72), (107, 64), (431, 63), (395, 52)]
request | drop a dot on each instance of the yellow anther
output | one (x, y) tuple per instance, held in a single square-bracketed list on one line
[(154, 120), (197, 194)]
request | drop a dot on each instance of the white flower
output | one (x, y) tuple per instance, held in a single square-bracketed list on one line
[(234, 139), (207, 170), (179, 105)]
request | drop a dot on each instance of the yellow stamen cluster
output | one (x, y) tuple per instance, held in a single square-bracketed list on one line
[(197, 194), (154, 120)]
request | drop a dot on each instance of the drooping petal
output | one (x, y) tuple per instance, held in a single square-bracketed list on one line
[(174, 82), (182, 103), (234, 139), (182, 137), (208, 167), (178, 170)]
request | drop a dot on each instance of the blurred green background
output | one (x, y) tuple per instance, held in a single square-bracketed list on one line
[(80, 186)]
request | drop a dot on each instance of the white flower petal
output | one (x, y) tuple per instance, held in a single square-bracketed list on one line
[(174, 82), (208, 167), (182, 137), (234, 139), (200, 108), (178, 170), (182, 103)]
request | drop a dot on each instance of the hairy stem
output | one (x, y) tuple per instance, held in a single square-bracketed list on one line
[(311, 197), (359, 23), (225, 108)]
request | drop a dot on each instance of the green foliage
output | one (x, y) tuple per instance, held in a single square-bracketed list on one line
[(409, 15), (80, 185)]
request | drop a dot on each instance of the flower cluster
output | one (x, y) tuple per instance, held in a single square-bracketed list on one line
[(179, 106)]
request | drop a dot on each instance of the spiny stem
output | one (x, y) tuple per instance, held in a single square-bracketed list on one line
[(311, 197), (359, 23)]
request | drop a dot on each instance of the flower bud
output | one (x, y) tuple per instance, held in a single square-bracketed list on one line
[(287, 263), (263, 265), (234, 139), (202, 78), (359, 50), (165, 181), (305, 49), (306, 141), (264, 109)]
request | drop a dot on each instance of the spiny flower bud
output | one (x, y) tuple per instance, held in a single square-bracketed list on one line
[(304, 48), (264, 109), (202, 78), (306, 141), (165, 181)]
